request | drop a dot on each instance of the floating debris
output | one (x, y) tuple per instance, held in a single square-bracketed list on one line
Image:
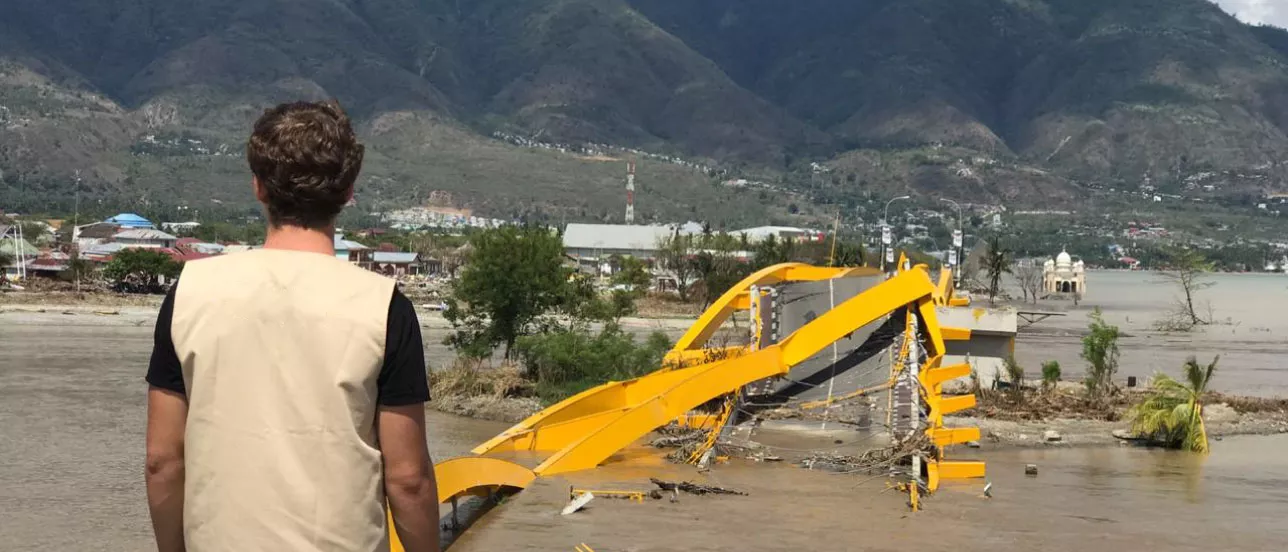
[(694, 488)]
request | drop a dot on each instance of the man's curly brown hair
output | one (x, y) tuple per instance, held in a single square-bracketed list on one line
[(306, 158)]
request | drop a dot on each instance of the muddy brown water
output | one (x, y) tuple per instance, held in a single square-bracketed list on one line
[(71, 454), (1250, 333)]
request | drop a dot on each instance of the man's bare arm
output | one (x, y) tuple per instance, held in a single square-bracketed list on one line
[(167, 416), (409, 476)]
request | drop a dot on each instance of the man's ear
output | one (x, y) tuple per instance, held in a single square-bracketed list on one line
[(260, 193)]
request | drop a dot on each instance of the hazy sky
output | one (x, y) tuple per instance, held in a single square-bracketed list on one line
[(1274, 12)]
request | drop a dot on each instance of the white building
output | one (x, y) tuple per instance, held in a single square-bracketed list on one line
[(593, 242), (1063, 275), (781, 233), (145, 238)]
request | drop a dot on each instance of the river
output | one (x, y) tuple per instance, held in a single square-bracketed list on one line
[(71, 456)]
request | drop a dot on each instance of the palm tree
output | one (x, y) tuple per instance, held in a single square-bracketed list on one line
[(1173, 411)]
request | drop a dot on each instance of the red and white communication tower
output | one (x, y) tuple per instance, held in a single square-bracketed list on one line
[(630, 192)]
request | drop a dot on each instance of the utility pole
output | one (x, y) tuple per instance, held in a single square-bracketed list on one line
[(956, 259), (887, 238), (630, 192), (75, 262)]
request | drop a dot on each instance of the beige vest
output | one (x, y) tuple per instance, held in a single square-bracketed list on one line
[(280, 353)]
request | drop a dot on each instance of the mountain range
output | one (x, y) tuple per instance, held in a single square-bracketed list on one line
[(1002, 101)]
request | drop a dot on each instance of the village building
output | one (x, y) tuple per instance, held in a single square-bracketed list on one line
[(1064, 276), (87, 235), (130, 220), (145, 238), (779, 233), (351, 251), (591, 244), (396, 264)]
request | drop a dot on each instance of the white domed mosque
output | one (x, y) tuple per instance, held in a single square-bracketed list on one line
[(1063, 275)]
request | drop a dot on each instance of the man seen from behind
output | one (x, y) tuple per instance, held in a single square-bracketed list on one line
[(287, 386)]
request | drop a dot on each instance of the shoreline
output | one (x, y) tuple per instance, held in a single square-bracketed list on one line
[(995, 433)]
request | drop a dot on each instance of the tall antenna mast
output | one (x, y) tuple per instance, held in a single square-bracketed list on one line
[(630, 192)]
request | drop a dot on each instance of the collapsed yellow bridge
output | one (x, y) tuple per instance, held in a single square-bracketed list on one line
[(584, 431)]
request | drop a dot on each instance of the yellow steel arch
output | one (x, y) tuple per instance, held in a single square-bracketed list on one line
[(468, 475), (559, 425), (719, 311), (702, 383)]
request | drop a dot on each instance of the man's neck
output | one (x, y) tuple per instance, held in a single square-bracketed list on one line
[(296, 238)]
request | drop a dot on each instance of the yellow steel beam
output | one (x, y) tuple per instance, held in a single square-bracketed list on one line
[(682, 359), (550, 436), (610, 397), (945, 436), (459, 475), (727, 304), (955, 334), (858, 311), (937, 376), (957, 403), (709, 381), (468, 474), (741, 302), (930, 321), (944, 291)]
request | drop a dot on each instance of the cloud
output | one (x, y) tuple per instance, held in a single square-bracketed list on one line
[(1272, 12)]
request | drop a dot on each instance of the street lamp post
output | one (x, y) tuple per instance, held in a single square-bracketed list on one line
[(887, 238), (957, 242)]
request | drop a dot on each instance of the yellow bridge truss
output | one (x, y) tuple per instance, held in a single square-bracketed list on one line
[(585, 430)]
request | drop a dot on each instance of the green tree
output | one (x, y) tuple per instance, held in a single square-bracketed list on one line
[(140, 270), (849, 254), (1100, 350), (1187, 270), (718, 270), (634, 274), (1172, 413), (997, 261), (772, 251), (675, 255), (513, 276)]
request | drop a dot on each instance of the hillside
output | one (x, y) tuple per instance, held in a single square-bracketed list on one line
[(1016, 101)]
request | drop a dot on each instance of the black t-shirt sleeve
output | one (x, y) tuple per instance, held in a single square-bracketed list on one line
[(402, 379), (164, 370)]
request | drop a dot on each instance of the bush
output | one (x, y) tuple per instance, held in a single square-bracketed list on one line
[(1050, 374), (1015, 374), (1100, 350), (565, 363), (469, 378)]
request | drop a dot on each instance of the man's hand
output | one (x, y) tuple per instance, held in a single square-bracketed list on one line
[(409, 476), (167, 416)]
